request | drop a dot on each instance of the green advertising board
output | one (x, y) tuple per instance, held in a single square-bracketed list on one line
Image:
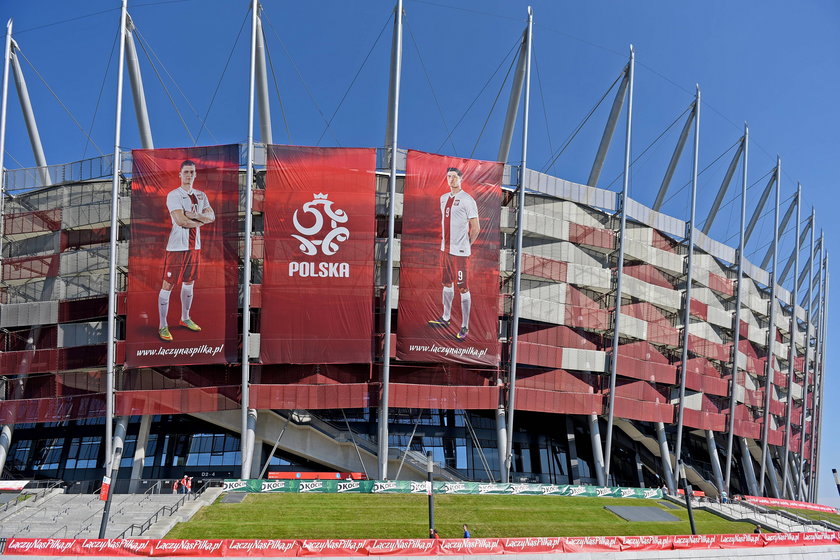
[(415, 487)]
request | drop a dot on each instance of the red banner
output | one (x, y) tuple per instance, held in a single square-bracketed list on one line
[(449, 260), (274, 548), (182, 281), (778, 502), (319, 239)]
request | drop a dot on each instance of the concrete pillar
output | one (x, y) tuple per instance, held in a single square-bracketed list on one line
[(597, 450), (665, 457), (5, 443), (713, 456), (254, 446), (571, 445), (140, 453), (639, 472), (501, 439), (770, 472), (747, 464)]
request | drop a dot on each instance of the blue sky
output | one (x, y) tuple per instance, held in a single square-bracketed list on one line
[(772, 64)]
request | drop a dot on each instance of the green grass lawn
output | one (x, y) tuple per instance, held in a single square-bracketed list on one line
[(361, 516)]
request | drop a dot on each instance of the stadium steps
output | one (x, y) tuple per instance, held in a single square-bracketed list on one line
[(768, 519), (185, 513), (80, 515)]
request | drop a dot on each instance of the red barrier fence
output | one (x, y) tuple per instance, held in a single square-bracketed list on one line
[(244, 548), (777, 502)]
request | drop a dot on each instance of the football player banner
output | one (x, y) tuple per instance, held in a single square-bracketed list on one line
[(317, 294), (182, 263), (449, 260)]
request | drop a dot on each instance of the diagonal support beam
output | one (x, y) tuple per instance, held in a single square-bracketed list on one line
[(759, 207), (792, 258), (609, 129), (785, 219), (675, 158), (724, 186)]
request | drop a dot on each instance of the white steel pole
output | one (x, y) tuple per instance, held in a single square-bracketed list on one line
[(794, 331), (112, 258), (393, 122), (3, 108), (818, 370), (769, 369), (5, 429), (625, 189), (736, 320), (517, 277), (688, 280), (808, 333), (246, 443)]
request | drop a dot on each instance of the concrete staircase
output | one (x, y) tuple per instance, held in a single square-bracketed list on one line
[(80, 515), (769, 519)]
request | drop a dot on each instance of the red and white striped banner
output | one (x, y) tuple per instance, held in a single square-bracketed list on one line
[(244, 548)]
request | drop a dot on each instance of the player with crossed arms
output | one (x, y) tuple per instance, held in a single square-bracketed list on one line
[(459, 230), (189, 210)]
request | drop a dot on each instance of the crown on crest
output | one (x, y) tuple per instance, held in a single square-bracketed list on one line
[(321, 196)]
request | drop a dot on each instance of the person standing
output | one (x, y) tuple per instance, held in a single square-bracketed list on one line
[(189, 209), (466, 531), (459, 230)]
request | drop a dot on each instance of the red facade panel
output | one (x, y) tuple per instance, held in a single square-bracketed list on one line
[(539, 355), (721, 285), (54, 409), (542, 267), (702, 366), (591, 236), (29, 361), (587, 318), (78, 238), (86, 309), (28, 268), (177, 401), (349, 395), (704, 420), (644, 410), (32, 222), (642, 350), (663, 334), (645, 370), (646, 312), (557, 380), (707, 348), (556, 336), (535, 400), (409, 395), (663, 242), (650, 274), (699, 309), (706, 384)]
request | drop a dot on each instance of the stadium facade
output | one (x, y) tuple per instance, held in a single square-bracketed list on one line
[(626, 338)]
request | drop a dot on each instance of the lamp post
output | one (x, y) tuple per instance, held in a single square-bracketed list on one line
[(430, 467), (687, 492)]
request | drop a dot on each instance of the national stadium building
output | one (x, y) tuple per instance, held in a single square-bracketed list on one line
[(620, 338)]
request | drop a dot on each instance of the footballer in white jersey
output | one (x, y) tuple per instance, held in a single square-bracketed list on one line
[(459, 226), (189, 209)]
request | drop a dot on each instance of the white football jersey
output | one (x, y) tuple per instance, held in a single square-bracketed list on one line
[(181, 238), (456, 212)]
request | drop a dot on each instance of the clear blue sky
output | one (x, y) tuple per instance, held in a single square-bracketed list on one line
[(773, 64)]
